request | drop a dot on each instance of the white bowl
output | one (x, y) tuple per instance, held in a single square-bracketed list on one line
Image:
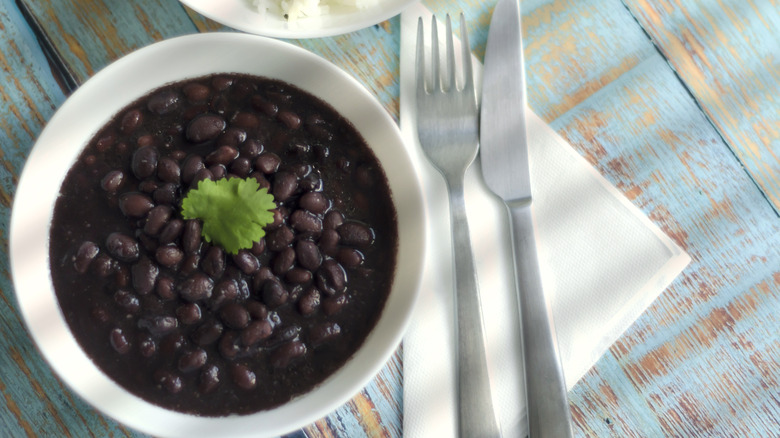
[(90, 107), (241, 15)]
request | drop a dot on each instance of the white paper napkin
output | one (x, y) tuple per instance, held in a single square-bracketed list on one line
[(603, 262)]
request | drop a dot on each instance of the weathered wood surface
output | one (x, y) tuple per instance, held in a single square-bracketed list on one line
[(686, 124)]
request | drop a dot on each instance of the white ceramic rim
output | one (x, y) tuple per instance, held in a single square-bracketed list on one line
[(240, 15), (124, 81)]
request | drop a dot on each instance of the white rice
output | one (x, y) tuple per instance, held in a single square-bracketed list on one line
[(293, 10)]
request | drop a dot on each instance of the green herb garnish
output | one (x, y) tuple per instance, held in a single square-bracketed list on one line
[(233, 211)]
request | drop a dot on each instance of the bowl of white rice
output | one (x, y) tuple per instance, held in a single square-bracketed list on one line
[(295, 19)]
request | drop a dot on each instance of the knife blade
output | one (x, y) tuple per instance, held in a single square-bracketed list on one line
[(505, 168)]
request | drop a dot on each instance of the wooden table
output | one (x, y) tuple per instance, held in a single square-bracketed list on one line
[(675, 102)]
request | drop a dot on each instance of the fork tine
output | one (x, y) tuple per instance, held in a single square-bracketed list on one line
[(435, 63), (450, 57), (420, 58), (468, 74)]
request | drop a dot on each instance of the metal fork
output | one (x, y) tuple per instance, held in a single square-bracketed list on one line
[(447, 126)]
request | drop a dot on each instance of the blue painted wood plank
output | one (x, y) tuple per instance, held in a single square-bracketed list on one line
[(35, 402), (728, 54)]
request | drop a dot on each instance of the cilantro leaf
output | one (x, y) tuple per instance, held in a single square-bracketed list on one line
[(233, 211)]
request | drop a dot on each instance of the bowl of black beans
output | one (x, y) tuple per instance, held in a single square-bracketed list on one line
[(218, 235)]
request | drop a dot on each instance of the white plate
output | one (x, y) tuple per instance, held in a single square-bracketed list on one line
[(242, 15), (90, 107)]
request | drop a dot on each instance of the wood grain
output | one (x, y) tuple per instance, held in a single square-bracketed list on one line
[(728, 54), (673, 102)]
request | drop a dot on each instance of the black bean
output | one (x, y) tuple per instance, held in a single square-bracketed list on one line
[(274, 294), (166, 288), (171, 343), (309, 301), (196, 288), (251, 148), (192, 165), (234, 315), (246, 261), (169, 255), (256, 309), (168, 170), (308, 254), (148, 186), (209, 379), (267, 162), (315, 202), (298, 275), (130, 121), (112, 181), (171, 231), (243, 377), (84, 255), (127, 300), (122, 246), (244, 119), (350, 257), (333, 220), (147, 346), (241, 166), (255, 332), (269, 108), (213, 264), (331, 277), (224, 291), (144, 274), (196, 92), (157, 218), (290, 119), (168, 380), (311, 182), (356, 234), (192, 360), (333, 305), (191, 236), (324, 332), (258, 248), (284, 185), (223, 155), (204, 127), (135, 204), (165, 194), (305, 222), (144, 162), (228, 346), (119, 341), (163, 102), (280, 238), (189, 313), (158, 325), (218, 171), (190, 264), (202, 175), (286, 353), (329, 242), (284, 261), (207, 333)]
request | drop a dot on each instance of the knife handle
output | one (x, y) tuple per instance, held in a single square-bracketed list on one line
[(548, 406), (476, 416)]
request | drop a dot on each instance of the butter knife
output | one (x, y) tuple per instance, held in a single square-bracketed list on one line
[(504, 160)]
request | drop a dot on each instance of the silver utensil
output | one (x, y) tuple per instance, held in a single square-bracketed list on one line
[(504, 158), (447, 125)]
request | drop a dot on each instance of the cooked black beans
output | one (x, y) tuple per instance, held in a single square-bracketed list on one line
[(207, 327)]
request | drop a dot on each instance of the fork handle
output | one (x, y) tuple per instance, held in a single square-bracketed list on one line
[(549, 415), (476, 415)]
